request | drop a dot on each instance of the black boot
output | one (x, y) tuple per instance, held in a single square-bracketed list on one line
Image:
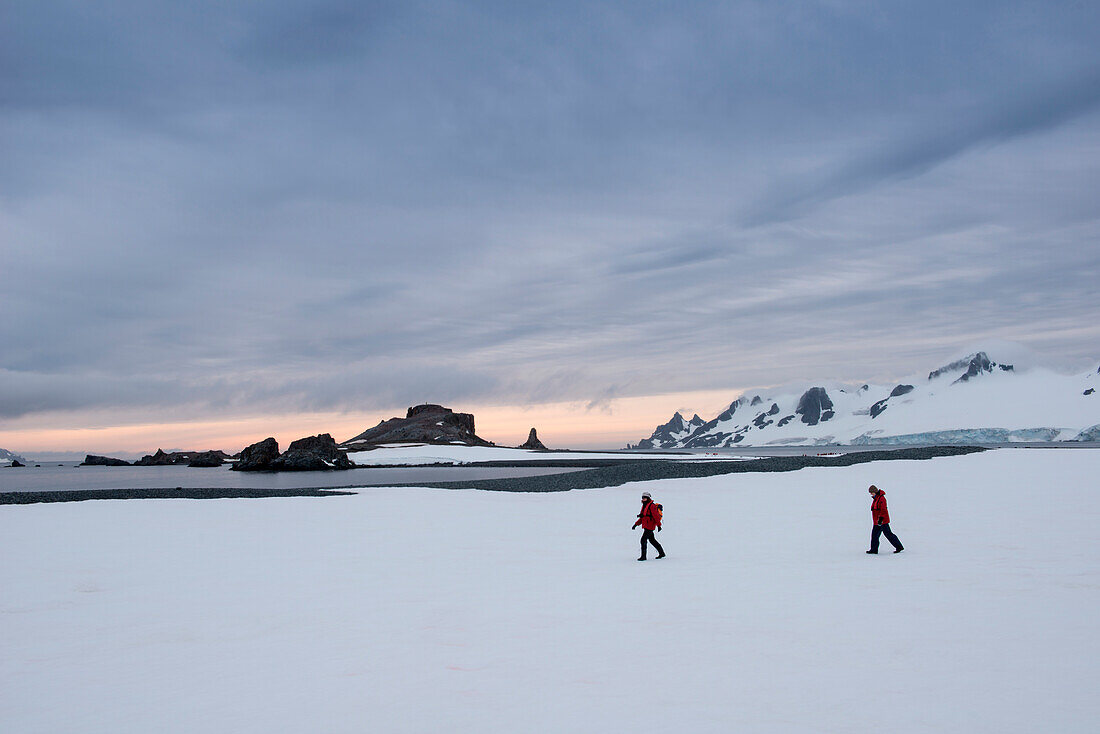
[(642, 558)]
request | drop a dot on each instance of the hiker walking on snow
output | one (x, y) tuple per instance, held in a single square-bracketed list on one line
[(881, 517), (650, 519)]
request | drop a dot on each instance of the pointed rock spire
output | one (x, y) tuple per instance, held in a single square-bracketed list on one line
[(533, 443)]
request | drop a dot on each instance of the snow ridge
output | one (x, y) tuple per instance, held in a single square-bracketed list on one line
[(969, 400), (7, 457)]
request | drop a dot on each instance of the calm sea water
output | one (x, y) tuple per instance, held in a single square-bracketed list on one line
[(69, 476)]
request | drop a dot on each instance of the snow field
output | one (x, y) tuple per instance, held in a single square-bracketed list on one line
[(414, 610)]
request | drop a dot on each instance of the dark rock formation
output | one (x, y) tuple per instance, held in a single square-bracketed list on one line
[(979, 364), (702, 439), (313, 453), (5, 454), (422, 424), (960, 364), (756, 400), (1090, 391), (258, 456), (677, 425), (162, 458), (534, 444), (728, 412), (784, 421), (93, 460), (973, 365), (207, 459), (704, 436), (761, 420), (878, 408), (814, 406), (15, 464)]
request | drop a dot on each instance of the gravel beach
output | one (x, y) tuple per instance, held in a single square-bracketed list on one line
[(605, 474), (650, 469)]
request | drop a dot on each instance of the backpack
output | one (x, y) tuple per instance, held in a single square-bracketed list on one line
[(660, 512)]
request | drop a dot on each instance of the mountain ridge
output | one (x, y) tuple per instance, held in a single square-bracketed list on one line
[(969, 400), (7, 457)]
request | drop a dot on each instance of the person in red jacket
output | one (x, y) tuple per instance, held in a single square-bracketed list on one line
[(881, 518), (650, 519)]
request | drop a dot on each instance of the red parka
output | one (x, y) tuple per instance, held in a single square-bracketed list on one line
[(879, 513), (649, 518)]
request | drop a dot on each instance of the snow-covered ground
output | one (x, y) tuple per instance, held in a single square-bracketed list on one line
[(415, 610), (417, 454)]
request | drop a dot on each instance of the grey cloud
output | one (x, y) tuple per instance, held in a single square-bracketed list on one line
[(658, 259), (1038, 111), (212, 210)]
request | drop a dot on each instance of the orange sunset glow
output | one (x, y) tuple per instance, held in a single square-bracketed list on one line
[(573, 425)]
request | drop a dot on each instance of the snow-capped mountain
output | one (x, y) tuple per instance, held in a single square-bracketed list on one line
[(970, 400), (7, 457), (675, 430)]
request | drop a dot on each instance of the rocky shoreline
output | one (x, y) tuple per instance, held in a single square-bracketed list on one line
[(645, 470), (162, 493), (595, 475)]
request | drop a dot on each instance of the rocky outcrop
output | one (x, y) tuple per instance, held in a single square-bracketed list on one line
[(879, 407), (207, 459), (160, 458), (761, 420), (728, 412), (258, 456), (6, 455), (533, 443), (707, 434), (93, 460), (814, 406), (973, 365), (15, 464), (313, 453), (422, 424), (179, 458), (676, 429)]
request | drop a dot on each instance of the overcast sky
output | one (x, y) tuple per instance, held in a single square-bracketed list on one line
[(215, 210)]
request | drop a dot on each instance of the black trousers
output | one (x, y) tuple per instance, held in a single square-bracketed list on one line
[(648, 535), (884, 529)]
